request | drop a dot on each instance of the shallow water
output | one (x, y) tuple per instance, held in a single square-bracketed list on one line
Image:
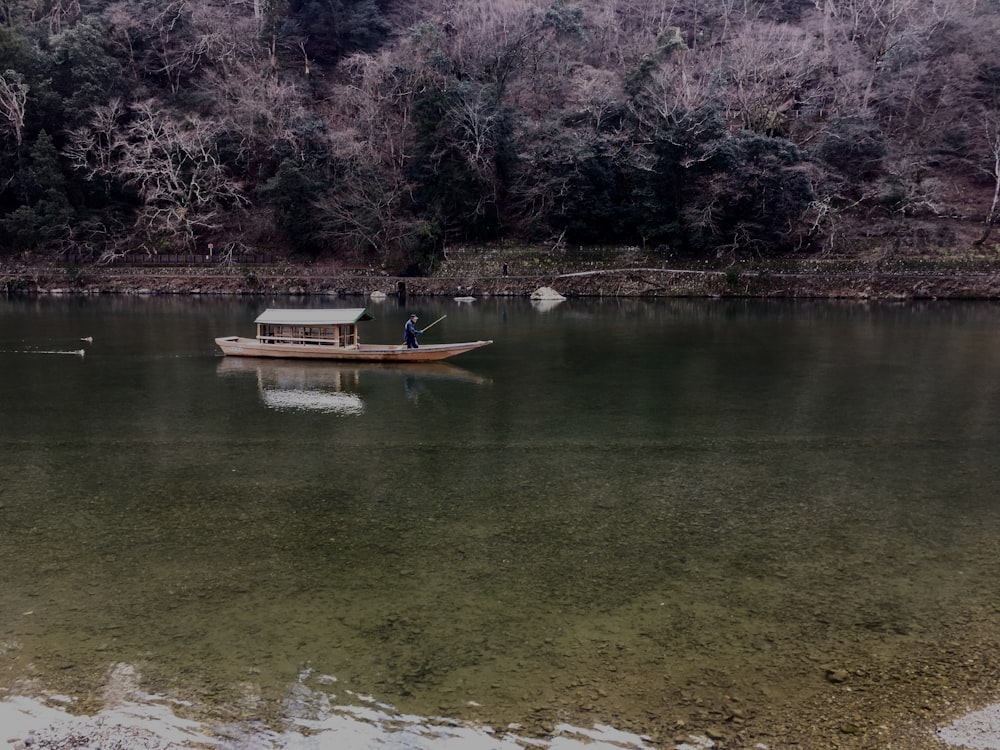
[(652, 515)]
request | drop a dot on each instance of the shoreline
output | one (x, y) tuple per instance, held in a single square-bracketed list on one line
[(498, 273), (133, 720)]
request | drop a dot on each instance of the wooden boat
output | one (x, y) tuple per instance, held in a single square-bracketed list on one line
[(330, 334)]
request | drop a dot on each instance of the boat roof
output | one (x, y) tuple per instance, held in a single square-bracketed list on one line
[(314, 317)]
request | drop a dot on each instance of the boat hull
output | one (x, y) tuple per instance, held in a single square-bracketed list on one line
[(238, 346)]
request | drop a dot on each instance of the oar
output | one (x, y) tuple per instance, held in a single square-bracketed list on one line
[(436, 321)]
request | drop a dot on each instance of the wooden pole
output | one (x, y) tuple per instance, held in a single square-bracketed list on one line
[(436, 322)]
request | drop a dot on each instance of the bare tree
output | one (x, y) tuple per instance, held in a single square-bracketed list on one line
[(95, 148), (682, 84), (222, 37), (158, 41), (480, 33), (766, 68), (56, 14), (374, 105), (622, 31), (13, 98), (371, 132), (176, 169), (475, 121), (171, 163), (991, 215), (362, 211), (263, 109), (991, 126), (595, 91)]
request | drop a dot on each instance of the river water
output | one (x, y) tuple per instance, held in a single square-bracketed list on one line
[(770, 522)]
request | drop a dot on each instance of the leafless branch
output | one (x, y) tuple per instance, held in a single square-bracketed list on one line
[(13, 98)]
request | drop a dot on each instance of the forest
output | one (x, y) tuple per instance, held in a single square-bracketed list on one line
[(380, 132)]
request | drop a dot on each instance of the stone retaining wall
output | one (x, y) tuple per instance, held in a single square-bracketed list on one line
[(479, 272)]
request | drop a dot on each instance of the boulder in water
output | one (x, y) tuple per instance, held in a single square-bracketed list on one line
[(546, 293)]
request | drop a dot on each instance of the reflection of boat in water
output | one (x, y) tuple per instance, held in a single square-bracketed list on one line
[(293, 386), (288, 399), (308, 374), (329, 335), (328, 387)]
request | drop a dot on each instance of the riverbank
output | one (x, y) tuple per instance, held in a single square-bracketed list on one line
[(518, 272)]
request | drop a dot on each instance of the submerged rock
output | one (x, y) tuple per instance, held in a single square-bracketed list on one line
[(837, 675)]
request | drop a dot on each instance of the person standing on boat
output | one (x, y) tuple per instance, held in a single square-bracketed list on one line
[(410, 332)]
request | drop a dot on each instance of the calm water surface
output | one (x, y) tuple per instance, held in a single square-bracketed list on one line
[(623, 512)]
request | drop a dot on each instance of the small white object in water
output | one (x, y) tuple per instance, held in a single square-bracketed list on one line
[(88, 339)]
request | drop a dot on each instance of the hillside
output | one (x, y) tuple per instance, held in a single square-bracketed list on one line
[(380, 132)]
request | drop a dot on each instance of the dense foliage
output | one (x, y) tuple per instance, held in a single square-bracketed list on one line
[(378, 131)]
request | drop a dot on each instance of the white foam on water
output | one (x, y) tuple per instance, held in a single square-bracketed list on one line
[(979, 730), (154, 726), (138, 726), (135, 720)]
